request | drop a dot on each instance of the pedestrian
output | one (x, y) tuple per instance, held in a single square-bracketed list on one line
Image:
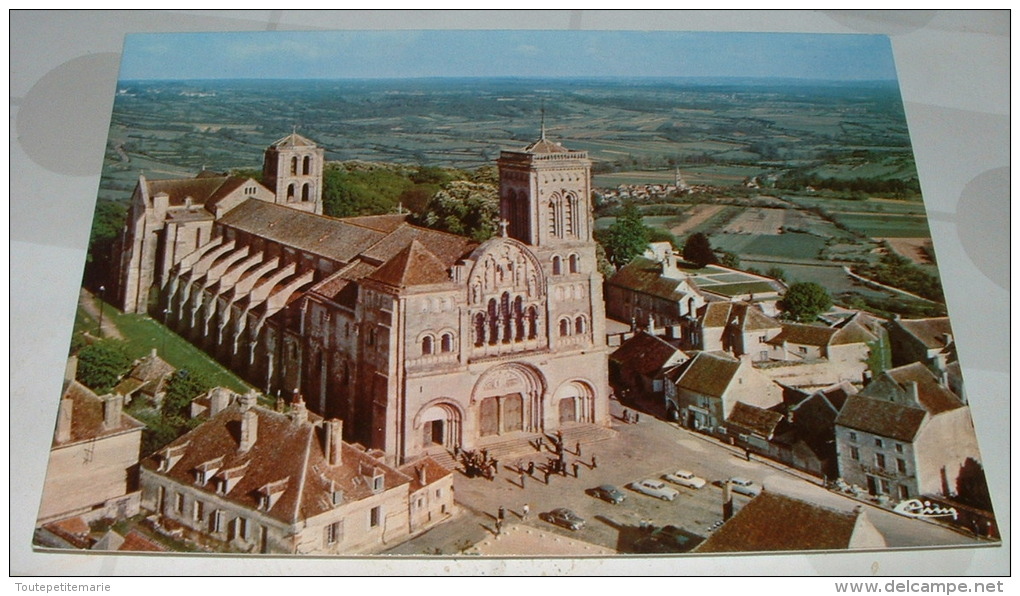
[(522, 479), (531, 468), (502, 512), (594, 464), (577, 467), (626, 416), (747, 454), (578, 451), (456, 451), (499, 527), (524, 511), (547, 475), (637, 417), (541, 442), (495, 466)]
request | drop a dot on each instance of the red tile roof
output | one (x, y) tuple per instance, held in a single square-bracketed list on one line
[(87, 415), (775, 522), (930, 332), (881, 417), (753, 419), (413, 266), (806, 335), (645, 276), (286, 453), (709, 374), (644, 354), (749, 317)]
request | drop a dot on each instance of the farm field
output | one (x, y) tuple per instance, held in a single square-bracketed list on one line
[(887, 225), (784, 246)]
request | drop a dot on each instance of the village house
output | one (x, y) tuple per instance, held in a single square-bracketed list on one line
[(640, 363), (702, 392), (738, 328), (905, 434), (775, 522), (250, 479), (147, 379), (92, 470), (929, 341), (811, 419)]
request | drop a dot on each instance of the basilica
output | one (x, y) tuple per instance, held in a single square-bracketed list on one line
[(421, 341)]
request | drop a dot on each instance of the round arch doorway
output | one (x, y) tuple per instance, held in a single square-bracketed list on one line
[(575, 402), (508, 399), (439, 423)]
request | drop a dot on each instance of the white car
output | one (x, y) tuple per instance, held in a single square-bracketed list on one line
[(744, 486), (654, 488), (686, 478)]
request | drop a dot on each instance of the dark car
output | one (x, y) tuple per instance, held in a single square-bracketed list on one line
[(564, 518), (608, 493), (668, 539)]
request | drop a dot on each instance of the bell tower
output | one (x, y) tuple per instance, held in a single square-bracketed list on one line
[(293, 171), (545, 194)]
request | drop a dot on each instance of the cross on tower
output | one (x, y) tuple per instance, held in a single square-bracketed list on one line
[(503, 223)]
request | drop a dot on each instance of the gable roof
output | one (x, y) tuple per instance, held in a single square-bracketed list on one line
[(87, 416), (644, 353), (709, 374), (748, 317), (286, 458), (645, 275), (206, 189), (293, 140), (881, 417), (808, 335), (804, 526), (931, 395), (930, 332), (753, 419)]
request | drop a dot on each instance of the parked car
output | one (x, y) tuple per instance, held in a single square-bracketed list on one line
[(667, 539), (608, 493), (744, 486), (565, 518), (654, 488), (685, 478)]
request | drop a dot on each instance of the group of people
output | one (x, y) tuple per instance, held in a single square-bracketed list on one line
[(478, 463)]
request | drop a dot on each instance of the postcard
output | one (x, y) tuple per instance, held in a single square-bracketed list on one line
[(511, 294)]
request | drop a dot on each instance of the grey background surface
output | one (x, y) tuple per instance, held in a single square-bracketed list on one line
[(953, 68)]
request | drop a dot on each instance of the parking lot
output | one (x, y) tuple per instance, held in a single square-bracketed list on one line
[(647, 449)]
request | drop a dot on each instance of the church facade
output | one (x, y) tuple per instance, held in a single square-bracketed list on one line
[(421, 341)]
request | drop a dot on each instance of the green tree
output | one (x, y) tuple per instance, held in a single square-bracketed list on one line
[(729, 259), (698, 250), (183, 387), (626, 238), (804, 301), (101, 365), (465, 208)]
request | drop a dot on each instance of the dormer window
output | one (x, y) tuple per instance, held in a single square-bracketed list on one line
[(270, 493), (170, 456), (378, 482)]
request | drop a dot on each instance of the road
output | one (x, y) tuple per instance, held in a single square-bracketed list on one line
[(647, 449)]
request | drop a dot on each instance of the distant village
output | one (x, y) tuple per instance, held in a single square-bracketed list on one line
[(391, 365)]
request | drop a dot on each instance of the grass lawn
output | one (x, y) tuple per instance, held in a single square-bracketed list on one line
[(142, 334)]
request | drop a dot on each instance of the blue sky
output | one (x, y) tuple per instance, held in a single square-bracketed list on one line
[(452, 53)]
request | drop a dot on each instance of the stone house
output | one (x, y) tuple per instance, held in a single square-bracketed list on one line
[(251, 479), (93, 463), (702, 392), (739, 328), (147, 379), (904, 435), (640, 363)]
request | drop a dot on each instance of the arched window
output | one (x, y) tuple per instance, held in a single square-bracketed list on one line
[(574, 264), (307, 168), (426, 345), (564, 327), (305, 192), (580, 325), (479, 330), (293, 166), (532, 322), (557, 265), (568, 215), (290, 191), (552, 218), (446, 344)]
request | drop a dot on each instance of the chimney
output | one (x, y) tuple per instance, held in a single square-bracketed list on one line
[(219, 399), (947, 338), (249, 429), (63, 433), (727, 501), (866, 378), (332, 438), (912, 392), (113, 407), (248, 400), (298, 412), (422, 474)]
